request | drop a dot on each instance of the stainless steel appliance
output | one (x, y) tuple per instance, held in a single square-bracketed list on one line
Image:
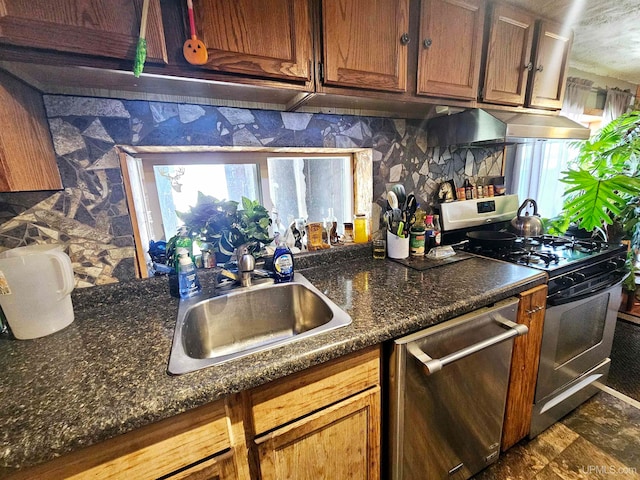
[(448, 392), (585, 278)]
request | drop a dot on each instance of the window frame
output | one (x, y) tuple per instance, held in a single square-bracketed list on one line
[(361, 161)]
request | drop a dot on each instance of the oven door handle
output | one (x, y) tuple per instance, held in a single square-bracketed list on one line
[(433, 365), (555, 302)]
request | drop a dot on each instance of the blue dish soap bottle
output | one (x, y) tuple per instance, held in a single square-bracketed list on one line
[(188, 283), (283, 263)]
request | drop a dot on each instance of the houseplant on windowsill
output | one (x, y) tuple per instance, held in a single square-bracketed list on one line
[(224, 227), (603, 185)]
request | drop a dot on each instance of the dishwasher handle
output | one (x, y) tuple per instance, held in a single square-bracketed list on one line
[(432, 365)]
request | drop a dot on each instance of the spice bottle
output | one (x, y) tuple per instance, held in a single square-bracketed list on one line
[(430, 236), (417, 235)]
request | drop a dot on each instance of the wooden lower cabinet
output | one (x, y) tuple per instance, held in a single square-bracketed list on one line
[(524, 367), (323, 422), (338, 442), (159, 449), (319, 423)]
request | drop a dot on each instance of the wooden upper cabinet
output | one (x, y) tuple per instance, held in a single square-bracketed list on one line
[(269, 38), (450, 48), (27, 159), (365, 43), (107, 28), (550, 65), (508, 55)]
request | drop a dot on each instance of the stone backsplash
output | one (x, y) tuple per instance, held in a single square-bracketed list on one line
[(90, 216)]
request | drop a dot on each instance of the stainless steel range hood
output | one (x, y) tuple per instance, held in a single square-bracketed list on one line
[(477, 126)]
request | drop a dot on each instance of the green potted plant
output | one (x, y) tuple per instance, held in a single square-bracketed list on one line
[(221, 225), (603, 184), (603, 178)]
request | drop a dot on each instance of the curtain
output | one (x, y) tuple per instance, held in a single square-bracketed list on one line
[(537, 169), (615, 105), (575, 97)]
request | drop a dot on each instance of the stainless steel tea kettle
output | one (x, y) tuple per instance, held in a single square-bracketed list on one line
[(527, 225)]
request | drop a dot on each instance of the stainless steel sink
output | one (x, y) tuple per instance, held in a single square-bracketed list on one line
[(214, 330)]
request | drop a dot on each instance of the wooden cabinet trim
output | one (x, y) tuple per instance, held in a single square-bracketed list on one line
[(524, 367), (367, 403), (295, 396)]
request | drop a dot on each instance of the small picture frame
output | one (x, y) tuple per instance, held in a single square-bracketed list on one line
[(447, 191)]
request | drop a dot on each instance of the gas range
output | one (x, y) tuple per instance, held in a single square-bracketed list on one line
[(553, 254), (574, 266)]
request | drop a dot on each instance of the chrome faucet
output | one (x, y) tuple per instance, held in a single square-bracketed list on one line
[(246, 266)]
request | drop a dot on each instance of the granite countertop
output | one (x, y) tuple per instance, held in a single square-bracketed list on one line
[(106, 373)]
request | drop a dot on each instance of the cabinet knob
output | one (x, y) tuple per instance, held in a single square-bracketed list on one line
[(540, 68), (404, 39), (529, 66), (427, 42)]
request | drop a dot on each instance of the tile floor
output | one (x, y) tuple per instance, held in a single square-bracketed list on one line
[(598, 440)]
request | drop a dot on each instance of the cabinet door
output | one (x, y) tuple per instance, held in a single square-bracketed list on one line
[(341, 442), (365, 43), (508, 56), (107, 28), (220, 467), (550, 69), (524, 367), (450, 48), (269, 38), (27, 159)]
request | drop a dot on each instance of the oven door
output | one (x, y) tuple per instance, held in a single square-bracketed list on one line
[(577, 336)]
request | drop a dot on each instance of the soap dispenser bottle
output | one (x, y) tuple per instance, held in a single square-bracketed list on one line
[(188, 283), (283, 263)]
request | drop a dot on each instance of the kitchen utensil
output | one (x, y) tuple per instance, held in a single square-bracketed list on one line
[(392, 199), (388, 219), (400, 194), (194, 50), (35, 283), (141, 48), (410, 211), (491, 240), (527, 225)]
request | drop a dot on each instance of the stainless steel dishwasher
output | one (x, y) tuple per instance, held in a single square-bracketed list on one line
[(448, 392)]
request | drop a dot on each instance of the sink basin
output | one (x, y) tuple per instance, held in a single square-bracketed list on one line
[(210, 331)]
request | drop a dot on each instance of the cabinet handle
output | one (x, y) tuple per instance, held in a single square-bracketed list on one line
[(529, 66), (427, 42), (540, 68), (404, 39)]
